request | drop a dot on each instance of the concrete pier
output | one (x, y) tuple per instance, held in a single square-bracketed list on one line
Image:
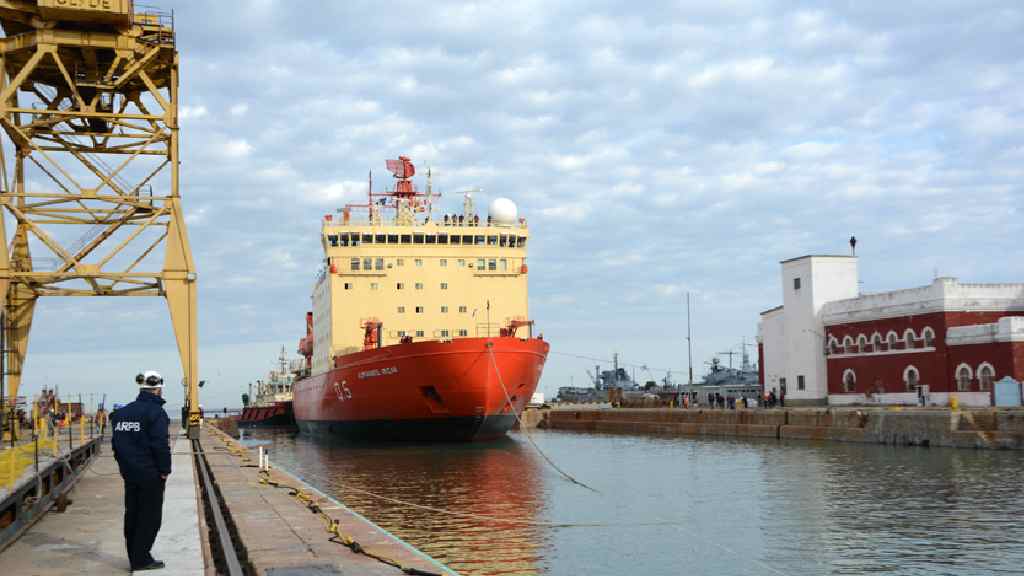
[(273, 529), (87, 538), (277, 532), (994, 428)]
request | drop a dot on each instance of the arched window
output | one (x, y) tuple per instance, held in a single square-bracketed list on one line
[(833, 345), (911, 377), (963, 378), (908, 338), (862, 343), (986, 374), (848, 344), (891, 338), (849, 380), (929, 337), (876, 342)]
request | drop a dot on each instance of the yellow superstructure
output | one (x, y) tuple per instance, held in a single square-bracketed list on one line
[(427, 280)]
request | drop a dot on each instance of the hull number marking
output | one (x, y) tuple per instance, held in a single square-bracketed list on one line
[(342, 391)]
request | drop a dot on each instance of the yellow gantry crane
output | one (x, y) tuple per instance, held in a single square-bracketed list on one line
[(89, 107)]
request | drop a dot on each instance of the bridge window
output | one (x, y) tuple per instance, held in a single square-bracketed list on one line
[(431, 239), (406, 239), (333, 239), (354, 264), (380, 239), (492, 240), (468, 240), (442, 238), (456, 239), (417, 238), (522, 242), (367, 238), (503, 241), (478, 240), (392, 238)]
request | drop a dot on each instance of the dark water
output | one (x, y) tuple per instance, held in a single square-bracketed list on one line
[(685, 506)]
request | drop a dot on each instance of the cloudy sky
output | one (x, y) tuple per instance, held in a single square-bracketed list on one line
[(656, 148)]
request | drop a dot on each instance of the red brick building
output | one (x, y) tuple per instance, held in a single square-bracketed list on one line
[(935, 341)]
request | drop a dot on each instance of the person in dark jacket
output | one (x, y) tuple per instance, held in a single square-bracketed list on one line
[(140, 442)]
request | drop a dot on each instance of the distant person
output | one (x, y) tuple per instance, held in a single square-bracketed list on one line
[(771, 399), (143, 455)]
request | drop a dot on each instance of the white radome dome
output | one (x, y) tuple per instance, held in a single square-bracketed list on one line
[(503, 211)]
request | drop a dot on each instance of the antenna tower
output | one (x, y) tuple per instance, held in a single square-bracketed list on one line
[(89, 111)]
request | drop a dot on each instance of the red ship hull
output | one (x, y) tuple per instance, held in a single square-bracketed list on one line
[(278, 415), (423, 391)]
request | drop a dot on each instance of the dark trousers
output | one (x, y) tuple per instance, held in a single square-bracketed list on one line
[(143, 510)]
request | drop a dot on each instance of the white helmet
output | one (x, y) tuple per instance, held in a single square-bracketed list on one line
[(150, 379)]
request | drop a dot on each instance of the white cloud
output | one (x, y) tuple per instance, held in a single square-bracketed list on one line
[(191, 112), (237, 148), (239, 110)]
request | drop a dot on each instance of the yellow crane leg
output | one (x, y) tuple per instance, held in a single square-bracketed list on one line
[(179, 282)]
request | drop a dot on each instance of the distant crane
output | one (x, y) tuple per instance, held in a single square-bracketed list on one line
[(746, 357)]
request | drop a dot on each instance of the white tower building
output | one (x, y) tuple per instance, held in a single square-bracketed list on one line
[(793, 336)]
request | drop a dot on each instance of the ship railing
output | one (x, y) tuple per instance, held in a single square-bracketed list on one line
[(331, 222)]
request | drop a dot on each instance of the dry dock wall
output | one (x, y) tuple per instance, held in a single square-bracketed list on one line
[(999, 429)]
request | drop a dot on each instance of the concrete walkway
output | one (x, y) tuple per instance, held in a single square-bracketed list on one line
[(88, 537)]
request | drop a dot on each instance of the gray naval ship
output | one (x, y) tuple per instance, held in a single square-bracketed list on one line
[(742, 382)]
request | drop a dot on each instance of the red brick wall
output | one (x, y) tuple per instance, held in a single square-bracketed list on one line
[(884, 373)]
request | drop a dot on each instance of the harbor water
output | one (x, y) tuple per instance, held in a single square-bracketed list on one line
[(681, 505)]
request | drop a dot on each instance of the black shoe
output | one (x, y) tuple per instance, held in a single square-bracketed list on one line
[(154, 565)]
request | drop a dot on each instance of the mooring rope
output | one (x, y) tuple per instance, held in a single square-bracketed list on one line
[(333, 527), (566, 475)]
